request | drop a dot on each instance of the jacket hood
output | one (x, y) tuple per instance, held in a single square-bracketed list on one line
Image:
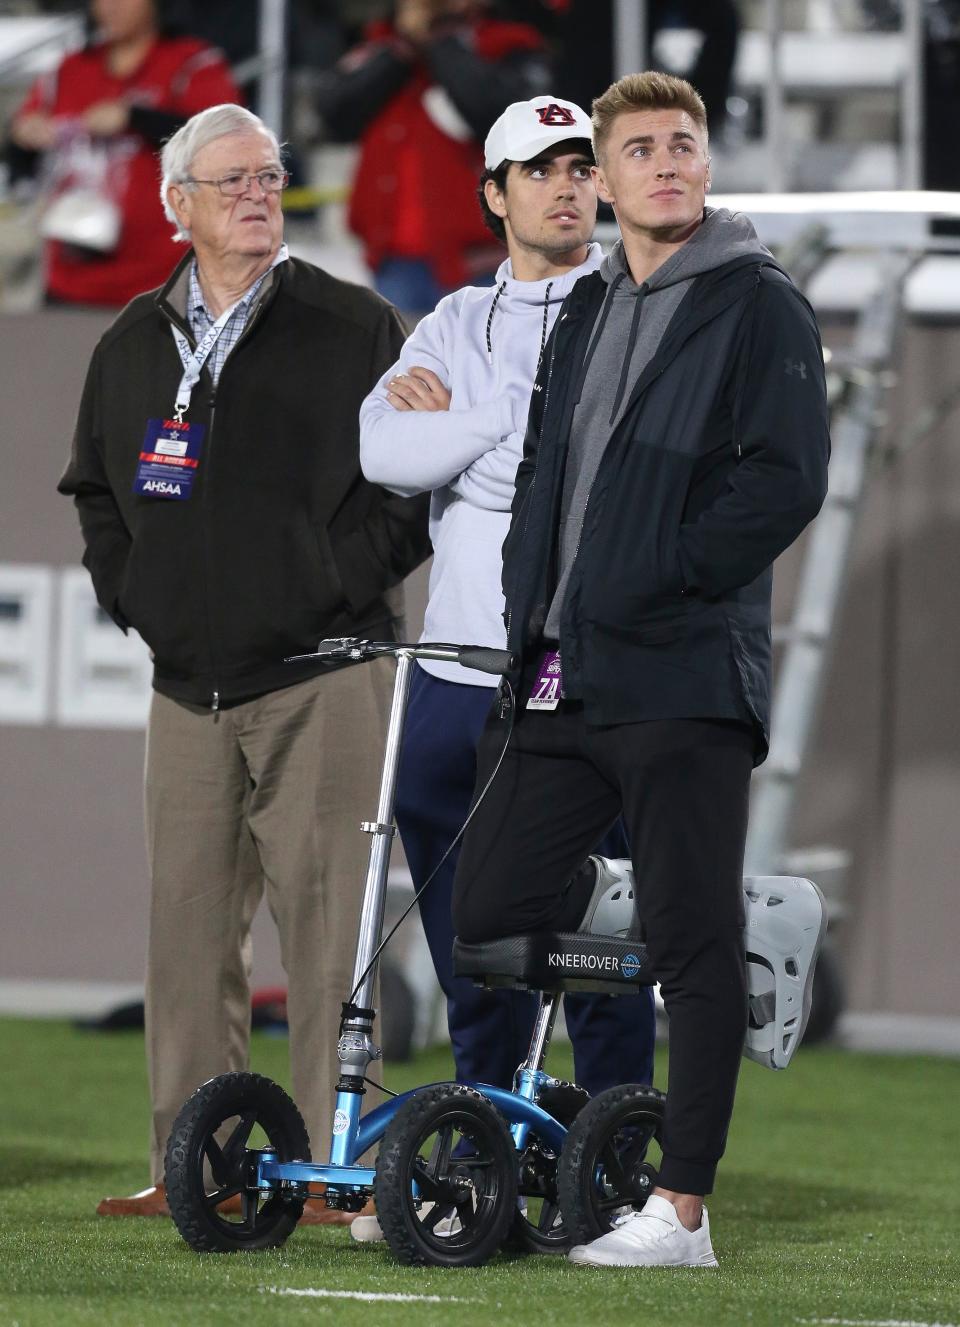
[(517, 296), (722, 237)]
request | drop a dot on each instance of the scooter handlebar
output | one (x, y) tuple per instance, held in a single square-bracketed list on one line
[(481, 657)]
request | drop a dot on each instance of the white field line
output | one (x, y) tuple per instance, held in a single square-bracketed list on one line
[(370, 1295), (873, 1322)]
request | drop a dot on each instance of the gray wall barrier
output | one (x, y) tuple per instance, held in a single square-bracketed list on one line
[(883, 782)]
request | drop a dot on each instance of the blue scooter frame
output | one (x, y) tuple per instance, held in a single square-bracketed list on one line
[(343, 1175)]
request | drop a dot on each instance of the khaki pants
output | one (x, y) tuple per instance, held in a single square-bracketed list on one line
[(270, 794)]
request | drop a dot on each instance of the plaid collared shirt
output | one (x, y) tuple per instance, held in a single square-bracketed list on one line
[(201, 319)]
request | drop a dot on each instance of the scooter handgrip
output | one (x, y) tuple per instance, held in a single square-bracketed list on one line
[(486, 660)]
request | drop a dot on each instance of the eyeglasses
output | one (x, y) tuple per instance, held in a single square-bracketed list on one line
[(238, 182)]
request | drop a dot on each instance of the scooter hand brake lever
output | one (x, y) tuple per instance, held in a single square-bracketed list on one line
[(333, 647)]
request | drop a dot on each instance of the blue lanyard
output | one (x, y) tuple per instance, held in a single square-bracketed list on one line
[(194, 360)]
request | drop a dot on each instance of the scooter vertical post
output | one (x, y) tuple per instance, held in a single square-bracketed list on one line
[(382, 832), (356, 1047)]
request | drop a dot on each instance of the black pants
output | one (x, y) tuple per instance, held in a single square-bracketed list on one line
[(682, 786), (612, 1036)]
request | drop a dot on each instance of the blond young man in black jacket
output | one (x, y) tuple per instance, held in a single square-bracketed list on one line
[(216, 474), (677, 443)]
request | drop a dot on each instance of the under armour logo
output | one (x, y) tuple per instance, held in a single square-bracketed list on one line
[(792, 366), (554, 114)]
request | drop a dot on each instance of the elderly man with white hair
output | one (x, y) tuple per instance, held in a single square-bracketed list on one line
[(216, 474)]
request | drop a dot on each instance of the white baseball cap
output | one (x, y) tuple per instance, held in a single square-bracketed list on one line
[(527, 128)]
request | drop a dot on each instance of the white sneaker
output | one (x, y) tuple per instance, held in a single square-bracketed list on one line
[(654, 1237), (448, 1225), (367, 1229)]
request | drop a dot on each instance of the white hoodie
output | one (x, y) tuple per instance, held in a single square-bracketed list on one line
[(485, 345)]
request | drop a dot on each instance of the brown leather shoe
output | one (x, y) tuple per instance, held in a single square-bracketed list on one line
[(153, 1202), (231, 1207), (317, 1213), (148, 1202)]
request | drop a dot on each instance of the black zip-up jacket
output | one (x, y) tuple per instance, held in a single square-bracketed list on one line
[(718, 463), (282, 540)]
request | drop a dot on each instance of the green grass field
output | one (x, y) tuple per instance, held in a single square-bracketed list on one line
[(838, 1202)]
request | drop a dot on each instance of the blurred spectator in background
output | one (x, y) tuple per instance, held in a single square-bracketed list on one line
[(419, 94), (585, 32), (96, 124), (315, 29), (233, 26)]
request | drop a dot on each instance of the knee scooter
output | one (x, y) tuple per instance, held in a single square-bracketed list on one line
[(462, 1170)]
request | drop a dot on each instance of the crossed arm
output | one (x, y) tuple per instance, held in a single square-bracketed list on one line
[(413, 439)]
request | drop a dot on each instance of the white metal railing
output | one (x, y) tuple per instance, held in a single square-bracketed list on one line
[(273, 57), (28, 45), (815, 62)]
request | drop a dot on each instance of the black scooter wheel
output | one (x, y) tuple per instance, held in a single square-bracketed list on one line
[(538, 1225), (211, 1160), (607, 1164), (446, 1183)]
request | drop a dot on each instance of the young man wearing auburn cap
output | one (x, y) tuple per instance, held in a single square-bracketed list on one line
[(449, 418), (677, 443)]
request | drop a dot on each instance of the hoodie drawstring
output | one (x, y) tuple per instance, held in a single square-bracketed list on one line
[(543, 330), (493, 308), (628, 353)]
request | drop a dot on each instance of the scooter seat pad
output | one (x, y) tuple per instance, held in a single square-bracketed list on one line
[(556, 961)]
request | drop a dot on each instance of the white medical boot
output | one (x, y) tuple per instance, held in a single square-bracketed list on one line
[(786, 921), (611, 909), (654, 1237)]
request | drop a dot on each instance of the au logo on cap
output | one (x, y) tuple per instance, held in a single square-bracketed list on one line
[(554, 114)]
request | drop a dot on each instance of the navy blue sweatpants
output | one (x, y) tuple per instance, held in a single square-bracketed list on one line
[(613, 1036)]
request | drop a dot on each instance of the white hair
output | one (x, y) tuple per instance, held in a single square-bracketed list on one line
[(180, 150)]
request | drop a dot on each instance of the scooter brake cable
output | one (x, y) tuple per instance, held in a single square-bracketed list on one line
[(453, 843)]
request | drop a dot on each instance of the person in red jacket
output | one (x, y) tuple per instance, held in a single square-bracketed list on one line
[(420, 94), (109, 107)]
